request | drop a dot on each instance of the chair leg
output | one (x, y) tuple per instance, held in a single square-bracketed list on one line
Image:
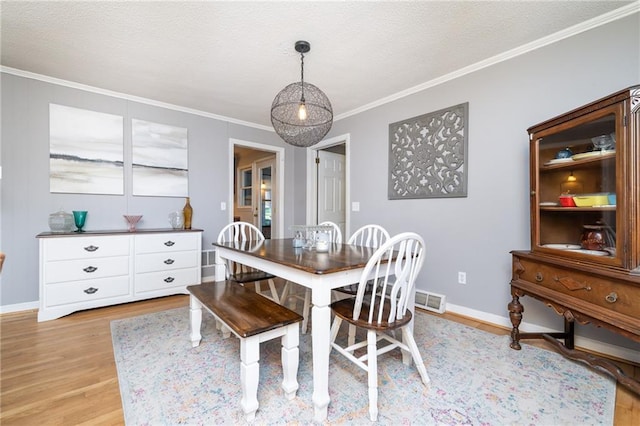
[(407, 338), (285, 293), (274, 292), (352, 335), (372, 367), (306, 310), (335, 327), (272, 289)]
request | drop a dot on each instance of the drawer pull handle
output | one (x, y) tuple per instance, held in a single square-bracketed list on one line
[(91, 248), (91, 290), (611, 297), (169, 261), (169, 243), (169, 279), (572, 284), (539, 277), (90, 269)]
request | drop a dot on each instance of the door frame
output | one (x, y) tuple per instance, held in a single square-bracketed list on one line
[(257, 178), (312, 177), (277, 230)]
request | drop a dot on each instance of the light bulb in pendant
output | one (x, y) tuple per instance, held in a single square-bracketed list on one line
[(302, 111), (571, 178)]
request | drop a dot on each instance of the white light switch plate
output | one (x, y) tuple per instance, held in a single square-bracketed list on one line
[(355, 206), (223, 206)]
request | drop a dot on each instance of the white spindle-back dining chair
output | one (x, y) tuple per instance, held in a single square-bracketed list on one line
[(392, 269), (367, 236), (336, 237), (336, 233), (243, 232)]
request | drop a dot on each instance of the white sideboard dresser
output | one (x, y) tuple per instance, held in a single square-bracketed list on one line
[(99, 268)]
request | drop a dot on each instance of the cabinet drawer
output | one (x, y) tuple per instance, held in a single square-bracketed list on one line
[(159, 243), (166, 261), (152, 281), (611, 294), (86, 247), (85, 291), (84, 269)]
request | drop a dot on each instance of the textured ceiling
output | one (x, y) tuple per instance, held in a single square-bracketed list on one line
[(230, 59)]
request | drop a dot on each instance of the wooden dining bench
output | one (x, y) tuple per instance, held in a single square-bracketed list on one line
[(253, 319)]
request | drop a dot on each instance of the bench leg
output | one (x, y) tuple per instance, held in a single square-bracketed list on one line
[(226, 331), (290, 361), (195, 316), (249, 375)]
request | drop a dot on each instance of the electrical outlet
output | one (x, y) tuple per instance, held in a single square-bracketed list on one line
[(462, 277)]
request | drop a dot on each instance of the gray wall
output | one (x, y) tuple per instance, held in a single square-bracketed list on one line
[(476, 233), (27, 202), (472, 234)]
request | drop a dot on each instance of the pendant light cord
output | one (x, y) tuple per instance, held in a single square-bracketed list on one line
[(302, 75)]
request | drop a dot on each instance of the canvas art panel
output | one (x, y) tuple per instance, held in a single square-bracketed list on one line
[(160, 159), (427, 155), (85, 151)]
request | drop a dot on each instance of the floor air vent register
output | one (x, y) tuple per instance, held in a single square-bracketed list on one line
[(430, 301)]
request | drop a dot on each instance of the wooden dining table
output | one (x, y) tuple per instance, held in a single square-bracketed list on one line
[(321, 272)]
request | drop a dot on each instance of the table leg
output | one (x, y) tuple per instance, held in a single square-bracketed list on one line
[(195, 316), (321, 324)]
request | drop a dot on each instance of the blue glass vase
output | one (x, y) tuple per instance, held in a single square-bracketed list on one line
[(79, 217)]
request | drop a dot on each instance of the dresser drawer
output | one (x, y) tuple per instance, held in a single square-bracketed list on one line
[(166, 261), (85, 291), (85, 269), (86, 247), (159, 243), (153, 281), (599, 290)]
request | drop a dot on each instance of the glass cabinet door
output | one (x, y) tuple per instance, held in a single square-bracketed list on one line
[(577, 187)]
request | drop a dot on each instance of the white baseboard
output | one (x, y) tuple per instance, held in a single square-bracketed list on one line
[(19, 307), (208, 278), (582, 342)]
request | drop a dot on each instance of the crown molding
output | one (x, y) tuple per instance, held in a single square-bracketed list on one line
[(87, 88), (537, 44), (598, 21)]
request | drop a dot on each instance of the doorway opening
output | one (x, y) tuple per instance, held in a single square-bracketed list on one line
[(256, 187), (328, 183)]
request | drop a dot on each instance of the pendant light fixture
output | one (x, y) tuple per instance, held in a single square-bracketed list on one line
[(301, 114)]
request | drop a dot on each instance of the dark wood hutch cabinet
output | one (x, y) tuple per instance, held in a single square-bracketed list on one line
[(584, 260)]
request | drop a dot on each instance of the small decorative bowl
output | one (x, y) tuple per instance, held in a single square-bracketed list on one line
[(566, 200), (132, 220), (564, 153)]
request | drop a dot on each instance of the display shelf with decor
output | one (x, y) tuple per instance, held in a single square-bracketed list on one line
[(101, 268), (584, 259)]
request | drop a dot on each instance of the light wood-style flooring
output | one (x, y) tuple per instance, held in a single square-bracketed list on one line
[(62, 372)]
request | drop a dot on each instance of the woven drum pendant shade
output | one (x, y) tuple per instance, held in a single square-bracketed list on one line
[(286, 105)]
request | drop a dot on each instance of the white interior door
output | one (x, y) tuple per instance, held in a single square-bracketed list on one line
[(331, 188)]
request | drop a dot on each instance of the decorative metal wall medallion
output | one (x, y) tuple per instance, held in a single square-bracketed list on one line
[(427, 155)]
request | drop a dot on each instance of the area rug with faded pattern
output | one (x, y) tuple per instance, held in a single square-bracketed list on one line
[(476, 379)]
